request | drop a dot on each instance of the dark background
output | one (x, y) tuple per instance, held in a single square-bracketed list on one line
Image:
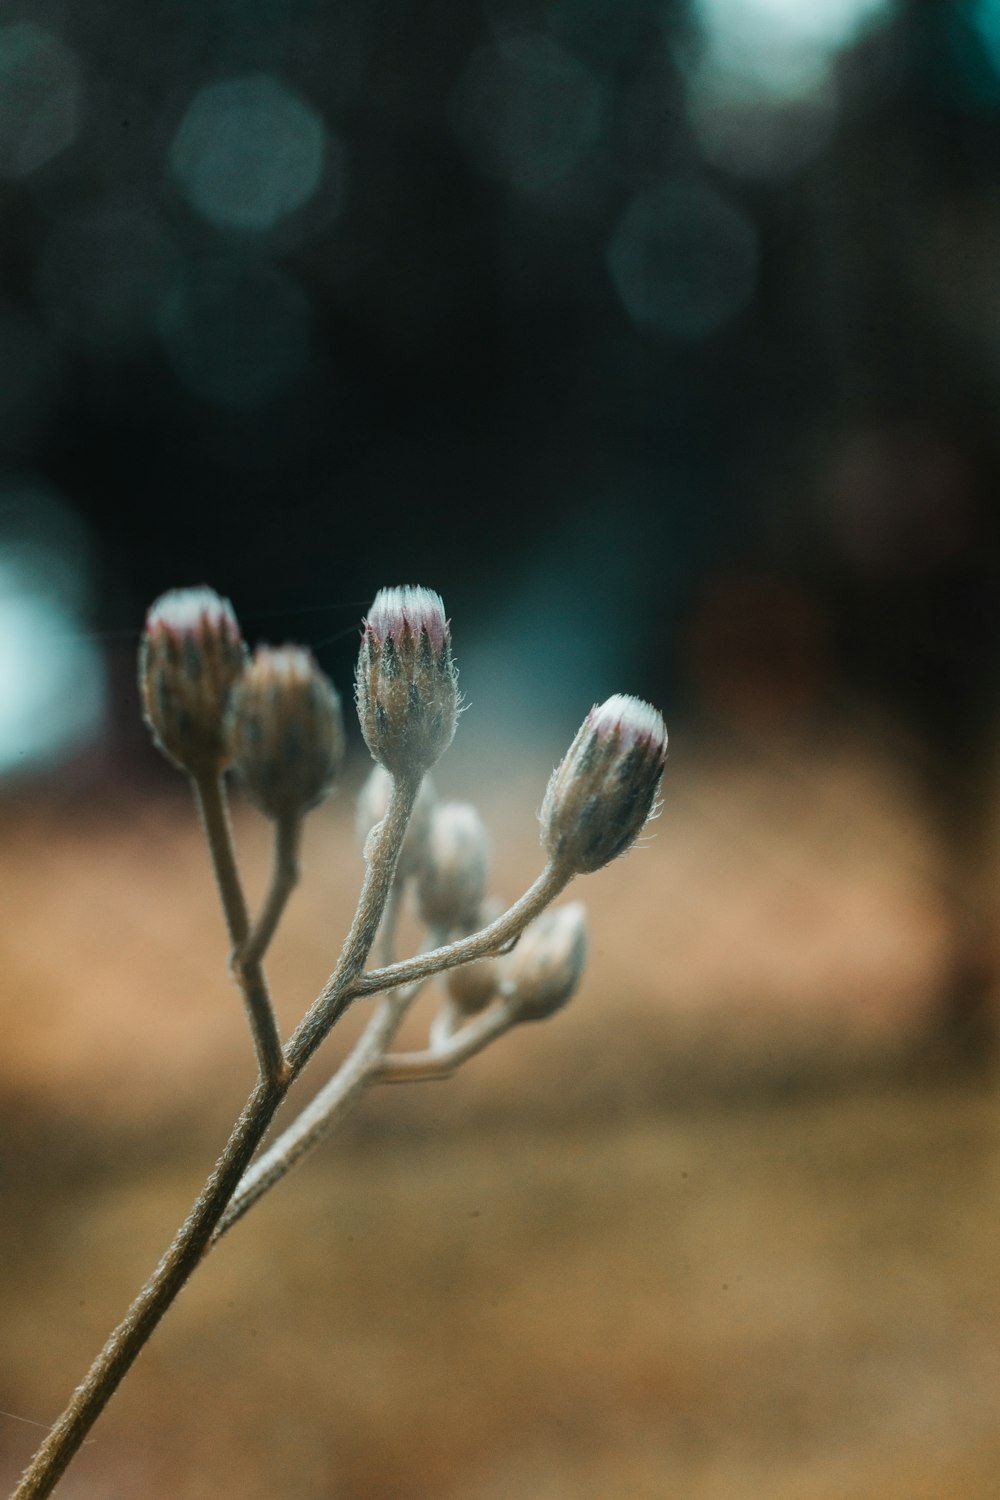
[(676, 385)]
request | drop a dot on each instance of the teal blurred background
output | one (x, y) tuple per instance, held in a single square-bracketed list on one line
[(600, 318)]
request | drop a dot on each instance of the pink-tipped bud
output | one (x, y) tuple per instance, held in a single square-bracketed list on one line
[(407, 689), (452, 879), (285, 731), (190, 656), (605, 788), (373, 804), (545, 968)]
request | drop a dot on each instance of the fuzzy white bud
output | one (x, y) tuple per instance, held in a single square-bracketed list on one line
[(407, 692), (604, 789), (190, 657)]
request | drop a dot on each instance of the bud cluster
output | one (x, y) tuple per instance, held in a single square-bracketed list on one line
[(277, 720)]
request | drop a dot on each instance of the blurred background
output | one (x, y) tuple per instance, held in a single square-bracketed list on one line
[(664, 341)]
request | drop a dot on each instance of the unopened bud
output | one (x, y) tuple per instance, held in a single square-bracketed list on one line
[(472, 986), (407, 689), (605, 788), (452, 878), (285, 731), (545, 967), (190, 656), (373, 804)]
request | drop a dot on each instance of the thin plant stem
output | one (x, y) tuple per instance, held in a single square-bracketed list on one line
[(376, 890), (318, 1117), (333, 1101), (501, 934), (441, 1061), (325, 1110), (444, 1025), (284, 879), (194, 1236), (121, 1349), (210, 795)]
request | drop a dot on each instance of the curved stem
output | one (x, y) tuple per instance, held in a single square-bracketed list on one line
[(489, 940), (390, 919), (386, 840), (125, 1343), (319, 1117), (367, 1063), (358, 1069), (284, 879), (210, 795), (442, 1060), (195, 1235)]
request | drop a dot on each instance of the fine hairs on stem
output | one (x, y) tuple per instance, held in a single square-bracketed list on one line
[(276, 721)]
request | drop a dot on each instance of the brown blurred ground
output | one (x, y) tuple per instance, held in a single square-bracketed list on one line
[(704, 1234)]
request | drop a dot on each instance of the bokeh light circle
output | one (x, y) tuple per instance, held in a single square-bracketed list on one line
[(527, 112), (248, 152), (52, 677), (683, 259), (41, 93)]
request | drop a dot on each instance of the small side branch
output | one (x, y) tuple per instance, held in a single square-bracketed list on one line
[(284, 879), (488, 942), (442, 1060), (210, 795)]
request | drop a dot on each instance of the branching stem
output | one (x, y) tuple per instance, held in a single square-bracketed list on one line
[(495, 938), (232, 1186), (319, 1117), (194, 1236)]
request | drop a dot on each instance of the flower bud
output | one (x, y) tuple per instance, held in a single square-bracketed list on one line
[(472, 986), (190, 656), (285, 731), (452, 878), (373, 803), (604, 789), (545, 967), (407, 690)]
